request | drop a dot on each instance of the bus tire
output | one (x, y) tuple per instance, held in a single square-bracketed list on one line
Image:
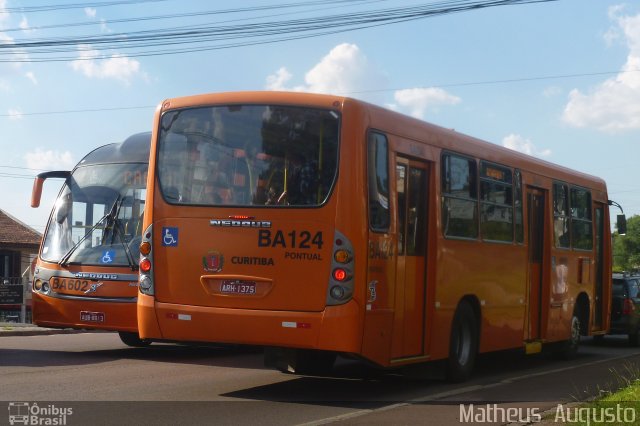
[(133, 340), (314, 361), (463, 346), (634, 337), (569, 348)]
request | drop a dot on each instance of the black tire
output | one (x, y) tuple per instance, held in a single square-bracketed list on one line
[(463, 347), (133, 340), (314, 362), (634, 337), (569, 349)]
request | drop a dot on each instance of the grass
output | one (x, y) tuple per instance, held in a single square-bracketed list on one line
[(619, 407)]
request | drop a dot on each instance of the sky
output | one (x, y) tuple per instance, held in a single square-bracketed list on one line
[(559, 80)]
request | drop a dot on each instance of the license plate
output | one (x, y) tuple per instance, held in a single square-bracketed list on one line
[(238, 287), (87, 316)]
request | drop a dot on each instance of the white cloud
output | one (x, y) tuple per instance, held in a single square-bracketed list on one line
[(24, 24), (417, 101), (4, 15), (103, 26), (344, 70), (19, 56), (49, 160), (118, 67), (278, 81), (90, 12), (14, 114), (551, 91), (613, 105), (615, 10), (31, 76), (524, 145)]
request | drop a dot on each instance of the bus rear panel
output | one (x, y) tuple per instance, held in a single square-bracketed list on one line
[(319, 224)]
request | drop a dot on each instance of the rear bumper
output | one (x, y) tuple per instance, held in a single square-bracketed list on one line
[(65, 313), (623, 325), (337, 328)]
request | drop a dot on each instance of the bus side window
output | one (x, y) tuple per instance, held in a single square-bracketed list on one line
[(378, 172), (581, 223), (459, 196), (561, 215)]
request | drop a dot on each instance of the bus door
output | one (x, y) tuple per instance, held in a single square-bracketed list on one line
[(411, 179), (599, 311), (536, 220)]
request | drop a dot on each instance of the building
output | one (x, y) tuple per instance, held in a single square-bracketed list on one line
[(19, 246)]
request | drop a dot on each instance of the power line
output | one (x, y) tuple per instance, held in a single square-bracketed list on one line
[(342, 3), (200, 38), (16, 176), (447, 85), (73, 111), (67, 6), (511, 80), (23, 168)]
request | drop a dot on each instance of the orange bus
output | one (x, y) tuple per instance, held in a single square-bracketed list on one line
[(318, 225), (86, 274)]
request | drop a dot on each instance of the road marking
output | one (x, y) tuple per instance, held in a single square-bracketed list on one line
[(453, 392)]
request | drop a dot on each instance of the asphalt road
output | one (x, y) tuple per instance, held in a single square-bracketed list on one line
[(104, 382)]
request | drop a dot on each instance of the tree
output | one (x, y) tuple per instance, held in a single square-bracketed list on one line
[(626, 248)]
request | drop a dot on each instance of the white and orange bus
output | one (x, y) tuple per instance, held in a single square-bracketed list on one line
[(86, 274), (318, 225)]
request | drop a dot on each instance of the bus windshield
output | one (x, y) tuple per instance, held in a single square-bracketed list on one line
[(97, 217), (248, 155)]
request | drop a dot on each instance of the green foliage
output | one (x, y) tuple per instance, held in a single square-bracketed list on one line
[(626, 248)]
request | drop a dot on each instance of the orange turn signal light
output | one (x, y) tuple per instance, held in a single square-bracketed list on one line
[(145, 248), (342, 256)]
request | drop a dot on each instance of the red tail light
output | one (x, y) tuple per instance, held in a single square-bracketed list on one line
[(145, 265), (339, 274), (628, 307)]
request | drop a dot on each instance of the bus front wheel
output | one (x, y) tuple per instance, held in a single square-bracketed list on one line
[(133, 340), (463, 346), (569, 348)]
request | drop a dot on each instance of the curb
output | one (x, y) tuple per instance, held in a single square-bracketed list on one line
[(31, 330)]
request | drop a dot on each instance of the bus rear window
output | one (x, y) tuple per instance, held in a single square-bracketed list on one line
[(248, 155)]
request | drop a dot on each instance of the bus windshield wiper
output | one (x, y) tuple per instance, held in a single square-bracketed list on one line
[(114, 209), (112, 220)]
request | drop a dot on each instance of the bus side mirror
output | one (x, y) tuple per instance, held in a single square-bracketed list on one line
[(36, 192), (621, 224)]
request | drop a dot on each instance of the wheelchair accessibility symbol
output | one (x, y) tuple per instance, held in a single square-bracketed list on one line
[(170, 237), (108, 256)]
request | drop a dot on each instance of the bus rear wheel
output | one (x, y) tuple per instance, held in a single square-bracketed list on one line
[(133, 340), (463, 347), (314, 361), (300, 361)]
